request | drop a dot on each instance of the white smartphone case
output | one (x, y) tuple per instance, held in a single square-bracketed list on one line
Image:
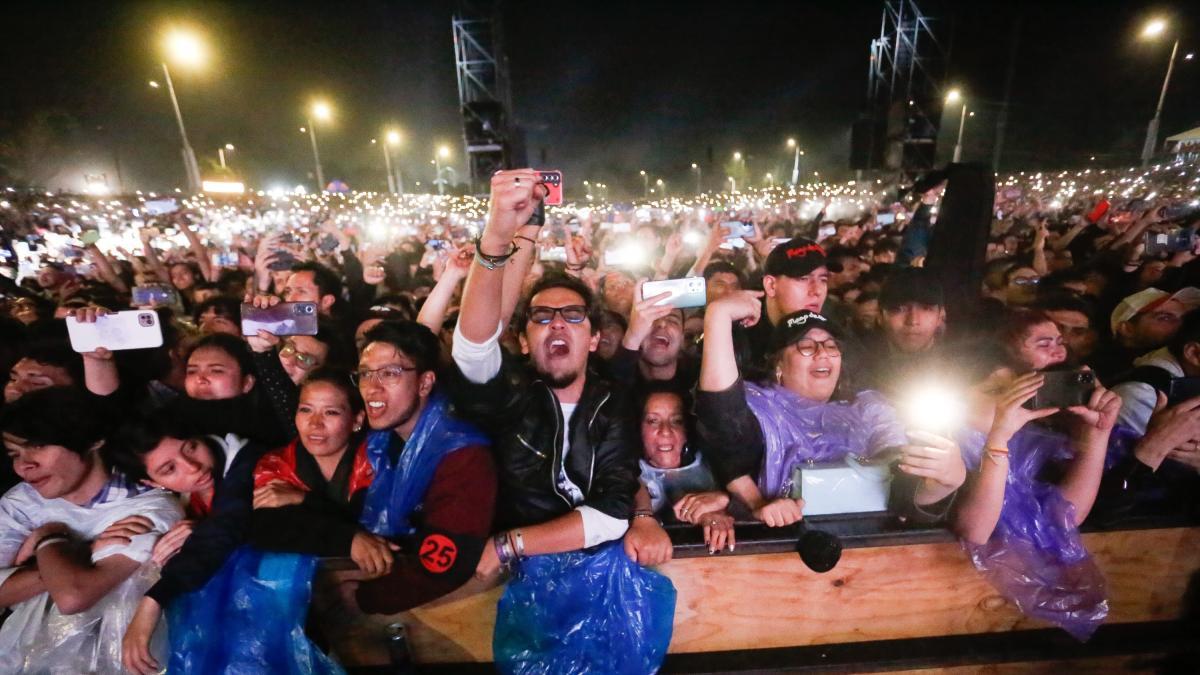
[(133, 329)]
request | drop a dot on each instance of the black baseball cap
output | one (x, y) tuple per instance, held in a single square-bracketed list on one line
[(795, 326), (795, 258), (911, 284)]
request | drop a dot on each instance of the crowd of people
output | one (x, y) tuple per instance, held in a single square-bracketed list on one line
[(489, 391)]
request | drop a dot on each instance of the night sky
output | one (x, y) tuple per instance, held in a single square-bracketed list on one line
[(601, 91)]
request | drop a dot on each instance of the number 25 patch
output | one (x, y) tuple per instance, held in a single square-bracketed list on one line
[(438, 553)]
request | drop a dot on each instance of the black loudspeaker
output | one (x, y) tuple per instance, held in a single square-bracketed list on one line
[(958, 248), (484, 122), (863, 141)]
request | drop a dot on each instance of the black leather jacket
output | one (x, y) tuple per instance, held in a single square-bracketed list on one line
[(525, 421)]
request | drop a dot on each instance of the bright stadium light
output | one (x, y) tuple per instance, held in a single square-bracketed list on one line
[(393, 137), (954, 96), (185, 48), (322, 111), (1154, 28)]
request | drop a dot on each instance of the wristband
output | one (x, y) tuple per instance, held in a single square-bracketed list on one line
[(500, 541), (996, 454), (520, 543), (492, 262), (50, 539), (521, 236)]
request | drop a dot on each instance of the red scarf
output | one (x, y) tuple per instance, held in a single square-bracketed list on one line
[(281, 465)]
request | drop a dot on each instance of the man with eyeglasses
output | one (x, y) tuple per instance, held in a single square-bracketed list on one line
[(568, 472), (439, 455), (1141, 323)]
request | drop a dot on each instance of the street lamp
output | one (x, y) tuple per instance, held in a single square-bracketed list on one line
[(391, 138), (443, 152), (955, 96), (732, 184), (792, 144), (696, 168), (645, 185), (1152, 30), (186, 49), (662, 187), (321, 112), (770, 179), (221, 153)]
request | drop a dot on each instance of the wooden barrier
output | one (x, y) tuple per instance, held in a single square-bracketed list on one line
[(747, 602)]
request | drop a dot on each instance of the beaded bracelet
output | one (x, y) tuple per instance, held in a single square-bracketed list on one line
[(503, 549)]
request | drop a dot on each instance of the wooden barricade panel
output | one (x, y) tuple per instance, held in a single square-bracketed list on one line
[(773, 600)]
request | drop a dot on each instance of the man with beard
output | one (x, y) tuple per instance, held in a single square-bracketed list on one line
[(568, 472), (397, 377)]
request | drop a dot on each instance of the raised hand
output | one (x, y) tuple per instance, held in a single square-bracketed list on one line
[(515, 196)]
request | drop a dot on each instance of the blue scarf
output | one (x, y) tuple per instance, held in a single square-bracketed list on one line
[(399, 486)]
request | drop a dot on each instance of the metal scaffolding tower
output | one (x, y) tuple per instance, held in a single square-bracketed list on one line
[(899, 127), (484, 95)]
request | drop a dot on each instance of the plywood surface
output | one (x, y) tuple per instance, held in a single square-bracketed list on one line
[(757, 601)]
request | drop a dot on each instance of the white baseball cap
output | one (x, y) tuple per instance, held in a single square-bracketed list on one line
[(1144, 301)]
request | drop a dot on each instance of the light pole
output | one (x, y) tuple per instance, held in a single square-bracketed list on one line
[(393, 139), (662, 187), (645, 185), (320, 111), (187, 49), (221, 154), (952, 97), (443, 152), (696, 168), (732, 184), (791, 143), (1153, 30), (770, 179)]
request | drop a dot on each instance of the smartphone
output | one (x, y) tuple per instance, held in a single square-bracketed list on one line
[(155, 295), (160, 207), (436, 244), (553, 182), (685, 293), (328, 243), (553, 254), (888, 218), (89, 237), (1174, 211), (1171, 241), (1182, 389), (225, 259), (283, 261), (286, 318), (738, 229), (1097, 213), (1063, 389), (133, 329)]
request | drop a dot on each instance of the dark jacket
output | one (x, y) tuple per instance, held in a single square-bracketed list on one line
[(216, 536), (525, 421)]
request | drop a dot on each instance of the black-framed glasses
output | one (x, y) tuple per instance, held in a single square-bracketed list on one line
[(809, 347), (385, 375), (571, 314)]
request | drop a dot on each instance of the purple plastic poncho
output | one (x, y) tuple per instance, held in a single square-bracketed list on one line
[(1035, 557), (797, 431)]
